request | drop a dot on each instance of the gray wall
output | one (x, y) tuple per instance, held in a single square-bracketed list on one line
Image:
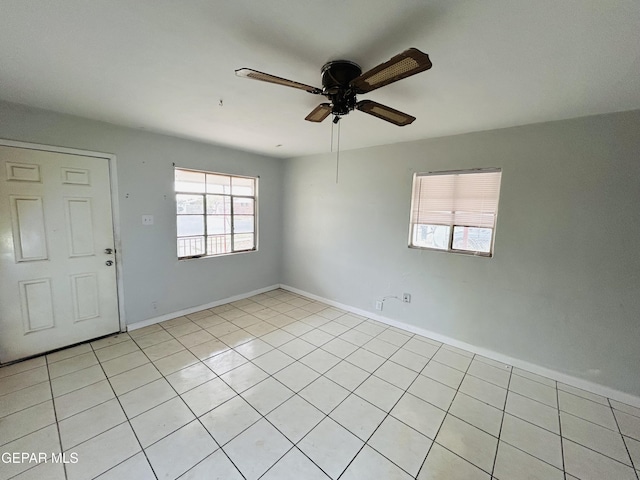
[(562, 290), (151, 272)]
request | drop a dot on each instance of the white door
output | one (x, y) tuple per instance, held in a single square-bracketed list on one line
[(57, 260)]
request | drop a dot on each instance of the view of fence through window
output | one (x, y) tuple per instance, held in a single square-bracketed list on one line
[(216, 213)]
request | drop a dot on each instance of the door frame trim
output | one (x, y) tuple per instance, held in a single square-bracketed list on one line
[(115, 210)]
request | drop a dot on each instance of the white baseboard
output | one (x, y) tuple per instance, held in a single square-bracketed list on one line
[(187, 311), (499, 357)]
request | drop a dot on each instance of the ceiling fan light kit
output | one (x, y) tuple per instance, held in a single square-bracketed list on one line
[(343, 80)]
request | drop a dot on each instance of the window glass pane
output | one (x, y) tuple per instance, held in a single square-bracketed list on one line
[(218, 224), (242, 206), (190, 246), (190, 225), (243, 241), (218, 205), (187, 181), (217, 244), (218, 183), (243, 186), (431, 236), (190, 203), (472, 239), (242, 224)]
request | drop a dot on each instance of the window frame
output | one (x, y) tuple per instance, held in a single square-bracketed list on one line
[(452, 226), (205, 215)]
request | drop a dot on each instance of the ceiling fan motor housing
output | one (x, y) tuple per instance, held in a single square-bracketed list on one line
[(336, 77)]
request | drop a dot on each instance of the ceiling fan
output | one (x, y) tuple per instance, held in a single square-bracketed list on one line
[(342, 80)]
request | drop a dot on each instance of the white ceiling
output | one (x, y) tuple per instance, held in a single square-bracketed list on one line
[(164, 65)]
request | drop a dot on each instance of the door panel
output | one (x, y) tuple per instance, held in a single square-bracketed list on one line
[(56, 288)]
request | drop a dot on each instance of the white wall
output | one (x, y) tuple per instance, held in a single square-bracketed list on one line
[(151, 272), (563, 289)]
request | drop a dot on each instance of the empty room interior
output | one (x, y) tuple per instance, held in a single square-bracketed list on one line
[(343, 239)]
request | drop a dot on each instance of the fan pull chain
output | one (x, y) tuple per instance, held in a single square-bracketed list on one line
[(338, 154)]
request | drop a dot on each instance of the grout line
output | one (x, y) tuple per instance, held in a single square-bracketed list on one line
[(504, 406), (633, 466), (55, 415), (128, 420)]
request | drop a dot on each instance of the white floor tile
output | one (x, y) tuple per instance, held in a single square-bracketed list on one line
[(156, 352), (244, 377), (324, 394), (295, 418), (134, 378), (396, 374), (441, 464), (224, 362), (488, 373), (154, 338), (295, 466), (273, 361), (331, 447), (382, 394), (256, 449), (97, 455), (380, 347), (320, 361), (80, 400), (587, 410), (208, 349), (319, 336), (589, 465), (76, 380), (419, 414), (477, 413), (207, 396), (73, 364), (124, 363), (532, 439), (443, 374), (595, 437), (401, 444), (514, 464), (433, 392), (180, 451), (366, 360), (229, 419), (25, 398), (533, 412), (85, 425), (629, 424), (253, 349), (452, 359), (26, 421), (534, 390), (358, 416), (190, 377), (136, 467), (469, 442), (370, 464), (44, 440), (347, 375), (175, 362), (146, 397), (296, 376), (297, 348), (160, 421), (23, 366), (267, 395), (216, 466), (48, 471), (484, 391), (339, 348)]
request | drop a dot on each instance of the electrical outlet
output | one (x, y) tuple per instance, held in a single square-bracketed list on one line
[(406, 297), (147, 219), (378, 305)]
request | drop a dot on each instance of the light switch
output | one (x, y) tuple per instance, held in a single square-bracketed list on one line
[(147, 219)]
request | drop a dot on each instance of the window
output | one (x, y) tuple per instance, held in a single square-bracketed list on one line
[(216, 213), (455, 211)]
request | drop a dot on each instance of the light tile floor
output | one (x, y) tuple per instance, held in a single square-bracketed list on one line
[(282, 387)]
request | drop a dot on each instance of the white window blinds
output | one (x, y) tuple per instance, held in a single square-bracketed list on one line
[(464, 198)]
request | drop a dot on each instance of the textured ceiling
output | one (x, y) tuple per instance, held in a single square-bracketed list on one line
[(165, 65)]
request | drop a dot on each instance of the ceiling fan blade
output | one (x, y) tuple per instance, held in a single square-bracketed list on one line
[(319, 113), (385, 113), (401, 66), (265, 77)]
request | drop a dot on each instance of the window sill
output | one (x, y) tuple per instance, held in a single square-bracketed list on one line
[(200, 257)]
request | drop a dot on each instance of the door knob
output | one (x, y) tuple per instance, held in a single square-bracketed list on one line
[(108, 263), (108, 251)]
